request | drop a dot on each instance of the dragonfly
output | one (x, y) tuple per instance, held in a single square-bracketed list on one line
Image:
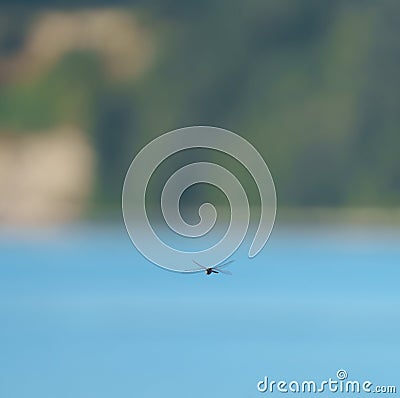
[(216, 269)]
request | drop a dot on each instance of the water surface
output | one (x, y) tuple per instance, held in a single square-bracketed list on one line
[(82, 314)]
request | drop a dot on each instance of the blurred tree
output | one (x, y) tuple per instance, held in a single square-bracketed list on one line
[(313, 85), (114, 131)]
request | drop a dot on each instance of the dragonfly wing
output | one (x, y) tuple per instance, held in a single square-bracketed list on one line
[(225, 271), (201, 266)]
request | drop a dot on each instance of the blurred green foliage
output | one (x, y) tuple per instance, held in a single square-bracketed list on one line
[(65, 94), (313, 85)]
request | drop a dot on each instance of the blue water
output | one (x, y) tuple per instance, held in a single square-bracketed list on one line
[(82, 314)]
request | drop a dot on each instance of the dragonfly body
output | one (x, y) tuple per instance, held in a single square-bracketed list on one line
[(210, 271), (215, 270)]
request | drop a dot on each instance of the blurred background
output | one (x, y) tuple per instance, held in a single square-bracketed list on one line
[(313, 85)]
